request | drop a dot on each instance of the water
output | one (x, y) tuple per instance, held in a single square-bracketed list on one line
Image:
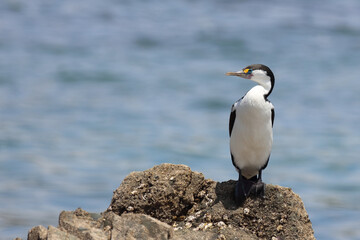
[(92, 90)]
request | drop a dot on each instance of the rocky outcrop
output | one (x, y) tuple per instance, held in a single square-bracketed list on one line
[(172, 202), (166, 192)]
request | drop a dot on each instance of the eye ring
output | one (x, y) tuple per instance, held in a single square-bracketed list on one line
[(247, 70)]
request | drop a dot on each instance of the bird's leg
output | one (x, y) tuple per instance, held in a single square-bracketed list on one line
[(240, 193), (258, 189)]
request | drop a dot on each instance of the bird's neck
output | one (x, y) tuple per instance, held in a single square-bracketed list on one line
[(258, 92), (267, 88), (266, 83)]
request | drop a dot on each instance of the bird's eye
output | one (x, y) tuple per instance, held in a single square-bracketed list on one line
[(247, 71)]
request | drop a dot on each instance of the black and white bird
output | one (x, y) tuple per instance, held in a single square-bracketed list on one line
[(250, 129)]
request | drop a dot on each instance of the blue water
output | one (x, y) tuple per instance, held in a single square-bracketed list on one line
[(92, 90)]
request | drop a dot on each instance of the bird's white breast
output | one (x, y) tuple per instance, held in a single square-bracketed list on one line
[(251, 137)]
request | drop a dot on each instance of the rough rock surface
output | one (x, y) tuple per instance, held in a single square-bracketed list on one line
[(166, 192), (172, 202), (138, 226)]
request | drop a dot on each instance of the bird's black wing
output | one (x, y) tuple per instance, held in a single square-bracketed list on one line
[(232, 119), (272, 124), (265, 165)]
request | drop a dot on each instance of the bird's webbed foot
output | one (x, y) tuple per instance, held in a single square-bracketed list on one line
[(258, 189), (246, 187), (240, 193), (243, 189)]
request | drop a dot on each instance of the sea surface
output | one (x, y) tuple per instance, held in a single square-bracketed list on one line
[(93, 90)]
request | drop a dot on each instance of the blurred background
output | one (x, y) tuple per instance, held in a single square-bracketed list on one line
[(92, 90)]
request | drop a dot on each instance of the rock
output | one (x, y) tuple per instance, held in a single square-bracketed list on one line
[(164, 192), (57, 234), (280, 214), (138, 226), (37, 233), (213, 234), (174, 194), (52, 233), (83, 224), (172, 202)]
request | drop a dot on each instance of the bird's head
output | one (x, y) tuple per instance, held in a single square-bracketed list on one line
[(258, 73)]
